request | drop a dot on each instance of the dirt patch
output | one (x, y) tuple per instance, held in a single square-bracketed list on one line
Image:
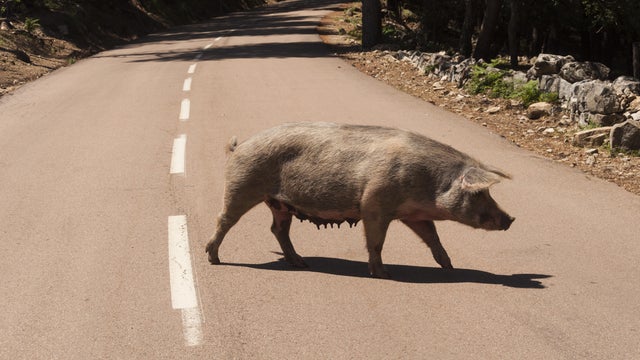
[(26, 56), (548, 136)]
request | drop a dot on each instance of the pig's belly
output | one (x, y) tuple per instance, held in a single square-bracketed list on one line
[(324, 218)]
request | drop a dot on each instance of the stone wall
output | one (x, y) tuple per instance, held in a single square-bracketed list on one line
[(584, 89)]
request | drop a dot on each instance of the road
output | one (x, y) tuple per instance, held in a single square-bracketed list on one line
[(111, 177)]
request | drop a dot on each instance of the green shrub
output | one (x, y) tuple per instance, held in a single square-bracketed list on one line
[(30, 24), (490, 80)]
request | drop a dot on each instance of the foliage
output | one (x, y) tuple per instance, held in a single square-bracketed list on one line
[(593, 30), (485, 78), (496, 83), (30, 24)]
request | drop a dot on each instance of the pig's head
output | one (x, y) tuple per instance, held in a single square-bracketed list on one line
[(469, 202)]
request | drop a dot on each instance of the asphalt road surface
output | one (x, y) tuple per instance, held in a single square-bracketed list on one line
[(111, 177)]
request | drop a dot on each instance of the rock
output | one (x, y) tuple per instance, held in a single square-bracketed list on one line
[(626, 136), (587, 70), (549, 83), (22, 56), (591, 160), (634, 105), (460, 73), (601, 119), (591, 151), (547, 64), (626, 85), (549, 131), (564, 89), (538, 110), (591, 137), (493, 109), (602, 98), (594, 97)]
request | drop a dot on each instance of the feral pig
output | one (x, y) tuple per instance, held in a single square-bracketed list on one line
[(331, 173)]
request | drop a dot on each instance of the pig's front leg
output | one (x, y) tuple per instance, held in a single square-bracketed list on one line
[(375, 230), (280, 228), (427, 232)]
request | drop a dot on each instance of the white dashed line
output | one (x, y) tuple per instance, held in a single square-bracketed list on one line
[(178, 155), (183, 289), (187, 84), (209, 45), (192, 68), (185, 108)]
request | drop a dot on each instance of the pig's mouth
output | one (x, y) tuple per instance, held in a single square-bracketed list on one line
[(501, 222)]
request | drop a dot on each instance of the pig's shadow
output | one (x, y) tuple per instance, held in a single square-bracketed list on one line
[(406, 273)]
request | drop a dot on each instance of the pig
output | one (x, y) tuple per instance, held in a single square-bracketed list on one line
[(330, 173)]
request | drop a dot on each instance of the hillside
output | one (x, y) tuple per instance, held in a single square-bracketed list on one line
[(40, 36)]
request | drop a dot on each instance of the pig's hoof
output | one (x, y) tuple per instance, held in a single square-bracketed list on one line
[(214, 260), (379, 273), (443, 261), (296, 261)]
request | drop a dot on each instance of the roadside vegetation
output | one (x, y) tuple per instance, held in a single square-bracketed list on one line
[(590, 30), (496, 81)]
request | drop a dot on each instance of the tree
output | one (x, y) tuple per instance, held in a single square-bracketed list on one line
[(513, 32), (486, 39), (371, 23), (468, 25)]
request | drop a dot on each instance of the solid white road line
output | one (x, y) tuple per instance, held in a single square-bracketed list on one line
[(192, 68), (187, 84), (184, 109), (183, 289), (178, 155)]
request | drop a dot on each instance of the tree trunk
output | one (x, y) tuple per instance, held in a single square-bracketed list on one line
[(513, 32), (393, 7), (467, 28), (636, 60), (371, 23), (486, 37)]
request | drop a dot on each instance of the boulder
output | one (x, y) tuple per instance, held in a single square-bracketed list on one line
[(603, 120), (538, 110), (564, 89), (588, 98), (626, 136), (578, 71), (634, 105), (591, 137), (627, 89), (549, 83), (626, 85), (601, 98), (547, 64)]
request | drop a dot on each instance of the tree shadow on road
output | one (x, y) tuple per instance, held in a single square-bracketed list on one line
[(406, 273), (268, 21)]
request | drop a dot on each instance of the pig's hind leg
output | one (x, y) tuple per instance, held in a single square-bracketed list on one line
[(427, 232), (280, 228), (233, 210)]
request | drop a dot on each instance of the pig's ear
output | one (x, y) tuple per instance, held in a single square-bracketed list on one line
[(476, 179)]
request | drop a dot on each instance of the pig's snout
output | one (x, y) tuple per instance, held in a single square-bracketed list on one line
[(505, 222)]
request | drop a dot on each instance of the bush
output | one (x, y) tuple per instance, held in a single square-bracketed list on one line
[(30, 24), (487, 79)]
